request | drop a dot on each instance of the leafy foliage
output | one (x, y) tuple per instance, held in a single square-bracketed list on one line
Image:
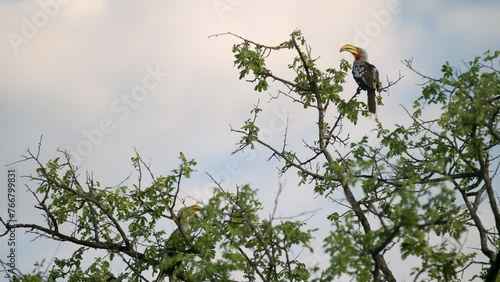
[(423, 183), (413, 190)]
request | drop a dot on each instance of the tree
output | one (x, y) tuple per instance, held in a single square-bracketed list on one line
[(127, 223), (413, 190)]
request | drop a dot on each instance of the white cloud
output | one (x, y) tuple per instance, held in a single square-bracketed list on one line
[(472, 22), (76, 9)]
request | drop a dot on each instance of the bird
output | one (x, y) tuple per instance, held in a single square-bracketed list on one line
[(176, 244), (365, 74)]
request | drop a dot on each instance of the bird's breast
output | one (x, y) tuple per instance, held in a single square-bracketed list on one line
[(358, 70)]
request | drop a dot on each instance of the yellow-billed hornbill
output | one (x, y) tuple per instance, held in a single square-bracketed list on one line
[(176, 244), (365, 74)]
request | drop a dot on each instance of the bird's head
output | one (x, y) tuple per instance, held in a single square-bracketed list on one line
[(358, 52)]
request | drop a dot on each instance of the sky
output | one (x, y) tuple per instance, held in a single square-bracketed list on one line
[(101, 78)]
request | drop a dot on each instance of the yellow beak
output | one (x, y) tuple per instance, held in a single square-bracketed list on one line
[(194, 208), (350, 48)]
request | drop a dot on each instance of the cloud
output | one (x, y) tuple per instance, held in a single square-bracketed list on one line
[(76, 9), (472, 22)]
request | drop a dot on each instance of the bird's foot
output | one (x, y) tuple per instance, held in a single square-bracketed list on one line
[(358, 91)]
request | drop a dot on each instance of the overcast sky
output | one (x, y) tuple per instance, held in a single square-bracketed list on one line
[(101, 77)]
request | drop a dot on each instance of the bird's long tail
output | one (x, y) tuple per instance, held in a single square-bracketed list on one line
[(372, 103)]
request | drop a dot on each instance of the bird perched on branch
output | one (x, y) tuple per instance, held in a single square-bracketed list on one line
[(176, 244), (365, 74)]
